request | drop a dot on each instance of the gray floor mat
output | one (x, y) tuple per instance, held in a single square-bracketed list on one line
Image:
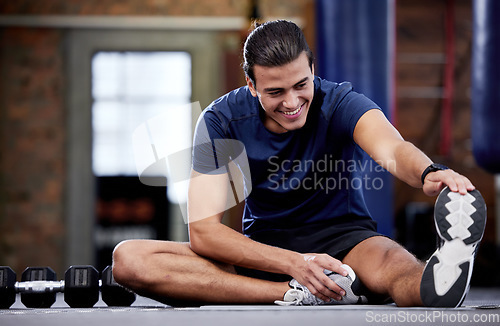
[(481, 307)]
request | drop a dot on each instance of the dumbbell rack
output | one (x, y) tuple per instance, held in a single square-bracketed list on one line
[(81, 286)]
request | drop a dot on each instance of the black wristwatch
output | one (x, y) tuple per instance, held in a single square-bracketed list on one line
[(433, 168)]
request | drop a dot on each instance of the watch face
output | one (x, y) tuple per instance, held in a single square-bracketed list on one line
[(437, 167)]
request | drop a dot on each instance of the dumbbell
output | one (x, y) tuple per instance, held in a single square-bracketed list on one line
[(38, 287), (112, 293)]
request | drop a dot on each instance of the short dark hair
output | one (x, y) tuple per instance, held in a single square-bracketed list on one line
[(272, 44)]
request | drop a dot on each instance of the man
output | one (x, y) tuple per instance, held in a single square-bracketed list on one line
[(307, 240)]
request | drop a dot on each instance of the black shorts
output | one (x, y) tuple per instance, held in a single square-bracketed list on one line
[(335, 239)]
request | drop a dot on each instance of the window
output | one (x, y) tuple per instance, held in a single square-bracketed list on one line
[(129, 88)]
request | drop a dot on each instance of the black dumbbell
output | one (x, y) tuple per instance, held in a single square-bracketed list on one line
[(38, 287), (112, 293), (7, 287), (32, 287), (80, 286)]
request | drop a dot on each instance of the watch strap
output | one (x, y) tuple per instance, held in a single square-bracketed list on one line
[(432, 168)]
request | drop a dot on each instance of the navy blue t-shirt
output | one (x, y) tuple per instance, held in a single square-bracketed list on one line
[(302, 176)]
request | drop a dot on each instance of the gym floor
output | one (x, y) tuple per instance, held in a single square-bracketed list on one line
[(481, 307)]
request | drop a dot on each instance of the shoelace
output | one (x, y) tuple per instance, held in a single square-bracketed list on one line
[(301, 296), (307, 298)]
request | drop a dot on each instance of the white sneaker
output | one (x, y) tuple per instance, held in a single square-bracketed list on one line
[(300, 295), (460, 221)]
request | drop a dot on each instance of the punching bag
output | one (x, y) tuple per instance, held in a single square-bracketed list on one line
[(354, 43), (485, 120)]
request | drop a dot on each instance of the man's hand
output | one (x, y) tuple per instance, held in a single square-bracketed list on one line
[(310, 273), (435, 181)]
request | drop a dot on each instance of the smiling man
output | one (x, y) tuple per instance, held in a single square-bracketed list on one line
[(304, 242)]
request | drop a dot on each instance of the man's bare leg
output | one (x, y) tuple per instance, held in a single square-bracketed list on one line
[(387, 268), (172, 272)]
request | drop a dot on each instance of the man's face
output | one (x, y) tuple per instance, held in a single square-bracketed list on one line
[(285, 93)]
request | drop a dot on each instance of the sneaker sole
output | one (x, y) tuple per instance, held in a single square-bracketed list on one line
[(460, 221)]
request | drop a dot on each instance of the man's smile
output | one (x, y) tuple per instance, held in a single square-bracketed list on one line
[(295, 113)]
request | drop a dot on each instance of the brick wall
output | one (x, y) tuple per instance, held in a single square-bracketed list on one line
[(276, 8), (33, 149), (127, 7)]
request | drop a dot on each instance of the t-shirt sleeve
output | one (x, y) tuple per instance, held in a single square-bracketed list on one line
[(212, 148), (349, 110)]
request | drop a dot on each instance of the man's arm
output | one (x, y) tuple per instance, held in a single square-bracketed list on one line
[(210, 238), (378, 137)]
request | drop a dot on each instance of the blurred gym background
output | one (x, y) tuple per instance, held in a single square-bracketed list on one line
[(79, 76)]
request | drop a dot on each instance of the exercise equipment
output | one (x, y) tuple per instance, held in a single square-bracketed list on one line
[(112, 293), (7, 287), (32, 294), (485, 97), (355, 43), (38, 287)]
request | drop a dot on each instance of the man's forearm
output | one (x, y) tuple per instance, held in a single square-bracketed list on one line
[(410, 162), (378, 137), (221, 243)]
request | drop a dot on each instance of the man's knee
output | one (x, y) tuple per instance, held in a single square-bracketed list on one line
[(125, 260), (393, 254), (398, 254), (385, 257), (398, 264)]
